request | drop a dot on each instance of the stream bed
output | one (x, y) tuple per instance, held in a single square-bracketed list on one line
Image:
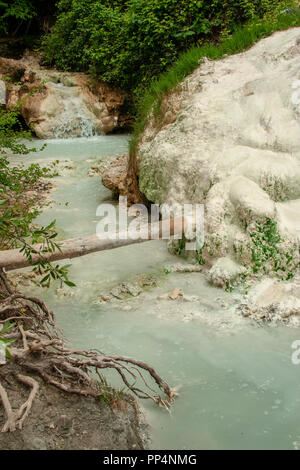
[(238, 388)]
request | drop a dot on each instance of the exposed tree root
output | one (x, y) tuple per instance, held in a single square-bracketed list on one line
[(10, 424), (15, 419), (40, 349)]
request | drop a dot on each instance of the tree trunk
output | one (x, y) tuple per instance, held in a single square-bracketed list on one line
[(75, 247)]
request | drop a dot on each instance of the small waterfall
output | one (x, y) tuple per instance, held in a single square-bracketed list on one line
[(2, 92), (74, 119)]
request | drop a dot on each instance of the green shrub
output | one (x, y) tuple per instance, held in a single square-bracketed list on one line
[(18, 211), (21, 17), (127, 42)]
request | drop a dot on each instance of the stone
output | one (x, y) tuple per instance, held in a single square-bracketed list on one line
[(176, 294), (225, 271), (105, 298), (94, 171), (274, 301), (250, 201), (38, 444), (114, 177)]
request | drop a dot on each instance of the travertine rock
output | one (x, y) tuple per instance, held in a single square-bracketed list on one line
[(233, 144)]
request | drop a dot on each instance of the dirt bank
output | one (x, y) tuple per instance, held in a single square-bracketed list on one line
[(60, 421)]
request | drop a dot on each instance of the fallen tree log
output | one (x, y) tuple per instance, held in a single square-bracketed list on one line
[(76, 247)]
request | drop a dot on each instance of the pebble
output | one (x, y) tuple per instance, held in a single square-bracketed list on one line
[(118, 427), (38, 444), (40, 427)]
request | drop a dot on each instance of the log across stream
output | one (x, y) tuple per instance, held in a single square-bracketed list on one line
[(76, 247), (237, 385)]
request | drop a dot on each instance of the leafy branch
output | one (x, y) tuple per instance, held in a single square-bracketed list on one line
[(19, 209)]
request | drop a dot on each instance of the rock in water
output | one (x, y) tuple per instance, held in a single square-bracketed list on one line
[(115, 176), (231, 140)]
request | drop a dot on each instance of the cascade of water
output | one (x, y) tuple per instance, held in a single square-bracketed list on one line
[(75, 120), (2, 92)]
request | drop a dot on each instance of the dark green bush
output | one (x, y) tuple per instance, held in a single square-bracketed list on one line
[(127, 42), (22, 17)]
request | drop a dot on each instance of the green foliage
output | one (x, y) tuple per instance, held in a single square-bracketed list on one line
[(268, 254), (179, 247), (111, 397), (242, 38), (17, 13), (128, 42), (11, 133), (5, 342), (199, 255), (16, 9), (265, 244), (17, 210), (229, 286)]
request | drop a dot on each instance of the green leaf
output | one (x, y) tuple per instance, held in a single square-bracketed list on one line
[(70, 284), (6, 327)]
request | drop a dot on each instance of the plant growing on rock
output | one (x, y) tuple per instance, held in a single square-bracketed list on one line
[(269, 254)]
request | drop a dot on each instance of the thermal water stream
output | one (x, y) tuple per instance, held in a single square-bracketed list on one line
[(238, 386)]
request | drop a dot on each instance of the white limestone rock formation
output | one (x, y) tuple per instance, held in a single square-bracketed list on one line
[(231, 140)]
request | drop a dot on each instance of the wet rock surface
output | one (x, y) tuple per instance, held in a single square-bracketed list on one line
[(128, 290), (61, 104), (274, 302), (114, 177)]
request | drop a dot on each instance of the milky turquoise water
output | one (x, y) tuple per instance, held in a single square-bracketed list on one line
[(238, 386)]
